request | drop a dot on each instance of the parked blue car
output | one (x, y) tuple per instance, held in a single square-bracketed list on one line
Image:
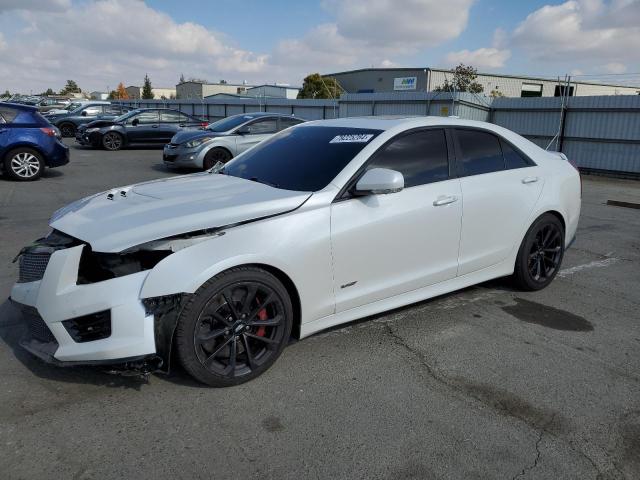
[(28, 142)]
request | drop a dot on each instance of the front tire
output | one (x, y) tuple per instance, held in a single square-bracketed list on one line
[(112, 141), (540, 254), (24, 164), (235, 327), (214, 156)]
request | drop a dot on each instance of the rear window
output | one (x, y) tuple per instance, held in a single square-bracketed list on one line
[(7, 115), (303, 158)]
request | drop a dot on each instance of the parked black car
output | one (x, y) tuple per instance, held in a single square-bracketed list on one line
[(28, 142), (145, 125), (69, 122)]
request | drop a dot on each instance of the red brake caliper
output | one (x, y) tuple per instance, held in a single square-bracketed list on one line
[(262, 315)]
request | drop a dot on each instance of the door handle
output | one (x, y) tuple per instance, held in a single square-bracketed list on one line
[(155, 126), (444, 200), (529, 180)]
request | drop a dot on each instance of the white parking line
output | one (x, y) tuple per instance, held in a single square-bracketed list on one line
[(595, 264)]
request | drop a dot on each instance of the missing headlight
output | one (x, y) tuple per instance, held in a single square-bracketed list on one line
[(97, 266)]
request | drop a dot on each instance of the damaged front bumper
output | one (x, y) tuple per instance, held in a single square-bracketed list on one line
[(105, 323)]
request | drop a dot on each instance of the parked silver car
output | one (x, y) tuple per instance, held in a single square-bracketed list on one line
[(224, 139)]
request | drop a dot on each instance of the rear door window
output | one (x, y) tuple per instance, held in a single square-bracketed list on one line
[(513, 158), (171, 116), (261, 127), (289, 122), (479, 152)]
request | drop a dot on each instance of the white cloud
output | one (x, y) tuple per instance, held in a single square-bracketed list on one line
[(39, 5), (615, 67), (394, 24), (100, 43), (582, 31), (482, 58), (3, 43)]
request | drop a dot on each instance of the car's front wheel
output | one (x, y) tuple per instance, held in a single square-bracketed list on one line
[(234, 327), (112, 141), (540, 254), (214, 156), (24, 164)]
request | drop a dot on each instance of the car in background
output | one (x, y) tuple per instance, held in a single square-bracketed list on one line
[(28, 143), (73, 104), (223, 140), (144, 125), (69, 122), (47, 104)]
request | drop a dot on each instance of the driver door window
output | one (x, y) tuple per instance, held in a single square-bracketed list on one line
[(93, 110)]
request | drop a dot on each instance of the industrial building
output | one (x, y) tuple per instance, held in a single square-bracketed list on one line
[(194, 90), (373, 80), (273, 91), (158, 93)]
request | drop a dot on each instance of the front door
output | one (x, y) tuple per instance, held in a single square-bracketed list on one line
[(386, 245), (258, 130), (144, 127)]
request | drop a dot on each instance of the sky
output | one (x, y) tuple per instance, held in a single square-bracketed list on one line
[(99, 43)]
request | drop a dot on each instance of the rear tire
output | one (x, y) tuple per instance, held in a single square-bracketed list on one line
[(234, 327), (67, 129), (540, 254), (112, 141), (214, 156), (24, 164)]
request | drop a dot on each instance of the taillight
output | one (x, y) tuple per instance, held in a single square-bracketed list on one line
[(203, 124), (50, 132)]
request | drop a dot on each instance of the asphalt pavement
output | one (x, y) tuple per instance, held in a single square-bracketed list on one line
[(483, 383)]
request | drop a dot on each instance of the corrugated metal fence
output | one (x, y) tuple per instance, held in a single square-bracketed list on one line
[(600, 133)]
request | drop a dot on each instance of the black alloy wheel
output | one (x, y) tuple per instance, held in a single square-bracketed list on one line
[(235, 328), (214, 156), (540, 254), (112, 141)]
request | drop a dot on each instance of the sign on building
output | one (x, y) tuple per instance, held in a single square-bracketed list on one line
[(405, 83)]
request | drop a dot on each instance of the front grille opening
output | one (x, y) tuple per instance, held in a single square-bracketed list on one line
[(32, 266), (89, 328)]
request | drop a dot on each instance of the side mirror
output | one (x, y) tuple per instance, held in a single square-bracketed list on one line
[(379, 181), (244, 130), (135, 122), (84, 113)]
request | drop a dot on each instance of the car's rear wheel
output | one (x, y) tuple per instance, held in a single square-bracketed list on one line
[(214, 156), (540, 254), (112, 141), (24, 164), (234, 327), (67, 129)]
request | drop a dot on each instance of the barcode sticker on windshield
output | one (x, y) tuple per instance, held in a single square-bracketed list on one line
[(353, 138)]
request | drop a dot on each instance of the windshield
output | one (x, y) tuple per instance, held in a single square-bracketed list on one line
[(228, 123), (304, 158)]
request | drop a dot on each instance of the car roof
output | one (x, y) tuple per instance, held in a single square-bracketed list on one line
[(19, 106), (393, 121)]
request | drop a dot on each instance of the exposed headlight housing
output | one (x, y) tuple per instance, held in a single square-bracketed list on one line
[(197, 142)]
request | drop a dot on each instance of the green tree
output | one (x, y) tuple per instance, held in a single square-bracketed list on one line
[(317, 86), (147, 93), (70, 87), (49, 92), (113, 95), (6, 94), (464, 80), (181, 78)]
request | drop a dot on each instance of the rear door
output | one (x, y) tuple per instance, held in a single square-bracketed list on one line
[(500, 187), (259, 130), (172, 121), (6, 117)]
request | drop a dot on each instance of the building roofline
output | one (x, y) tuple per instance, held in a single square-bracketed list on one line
[(504, 75), (277, 86)]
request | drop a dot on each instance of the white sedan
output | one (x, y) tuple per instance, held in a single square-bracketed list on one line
[(322, 224)]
